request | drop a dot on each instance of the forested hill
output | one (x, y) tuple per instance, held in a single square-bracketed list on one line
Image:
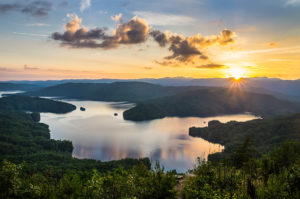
[(118, 91), (34, 104), (264, 134), (211, 102), (155, 101), (15, 87)]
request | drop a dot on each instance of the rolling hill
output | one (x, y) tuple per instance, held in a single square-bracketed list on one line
[(17, 87), (118, 91), (34, 104), (210, 102)]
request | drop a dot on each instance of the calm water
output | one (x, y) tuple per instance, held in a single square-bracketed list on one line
[(96, 133), (9, 92)]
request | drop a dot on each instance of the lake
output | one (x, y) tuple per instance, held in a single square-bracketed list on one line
[(9, 92), (97, 133)]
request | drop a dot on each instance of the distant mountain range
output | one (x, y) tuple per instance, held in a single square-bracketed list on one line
[(286, 89), (18, 87), (118, 91)]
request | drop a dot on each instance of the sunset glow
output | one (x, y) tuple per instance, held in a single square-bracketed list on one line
[(236, 73), (141, 40)]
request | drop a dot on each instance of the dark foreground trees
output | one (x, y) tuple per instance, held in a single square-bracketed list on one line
[(138, 182), (274, 176)]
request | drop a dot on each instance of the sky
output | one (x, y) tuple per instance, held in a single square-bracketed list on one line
[(129, 39)]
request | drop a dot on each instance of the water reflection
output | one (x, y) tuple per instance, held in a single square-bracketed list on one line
[(97, 133)]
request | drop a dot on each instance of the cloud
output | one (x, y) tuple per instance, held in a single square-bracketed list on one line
[(135, 31), (37, 24), (147, 68), (30, 34), (182, 50), (159, 37), (154, 18), (283, 50), (292, 2), (84, 4), (117, 18), (34, 8), (166, 63), (26, 67), (212, 66), (132, 32), (224, 38), (272, 44), (3, 69), (187, 49), (9, 7), (38, 8), (74, 23)]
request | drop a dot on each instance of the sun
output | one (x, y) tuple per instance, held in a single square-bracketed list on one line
[(236, 73)]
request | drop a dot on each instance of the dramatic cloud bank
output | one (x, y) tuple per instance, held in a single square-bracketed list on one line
[(34, 8), (135, 31), (132, 32)]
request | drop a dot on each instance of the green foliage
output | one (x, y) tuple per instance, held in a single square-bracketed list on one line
[(243, 154), (34, 104), (138, 182), (36, 117), (265, 134), (270, 177)]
